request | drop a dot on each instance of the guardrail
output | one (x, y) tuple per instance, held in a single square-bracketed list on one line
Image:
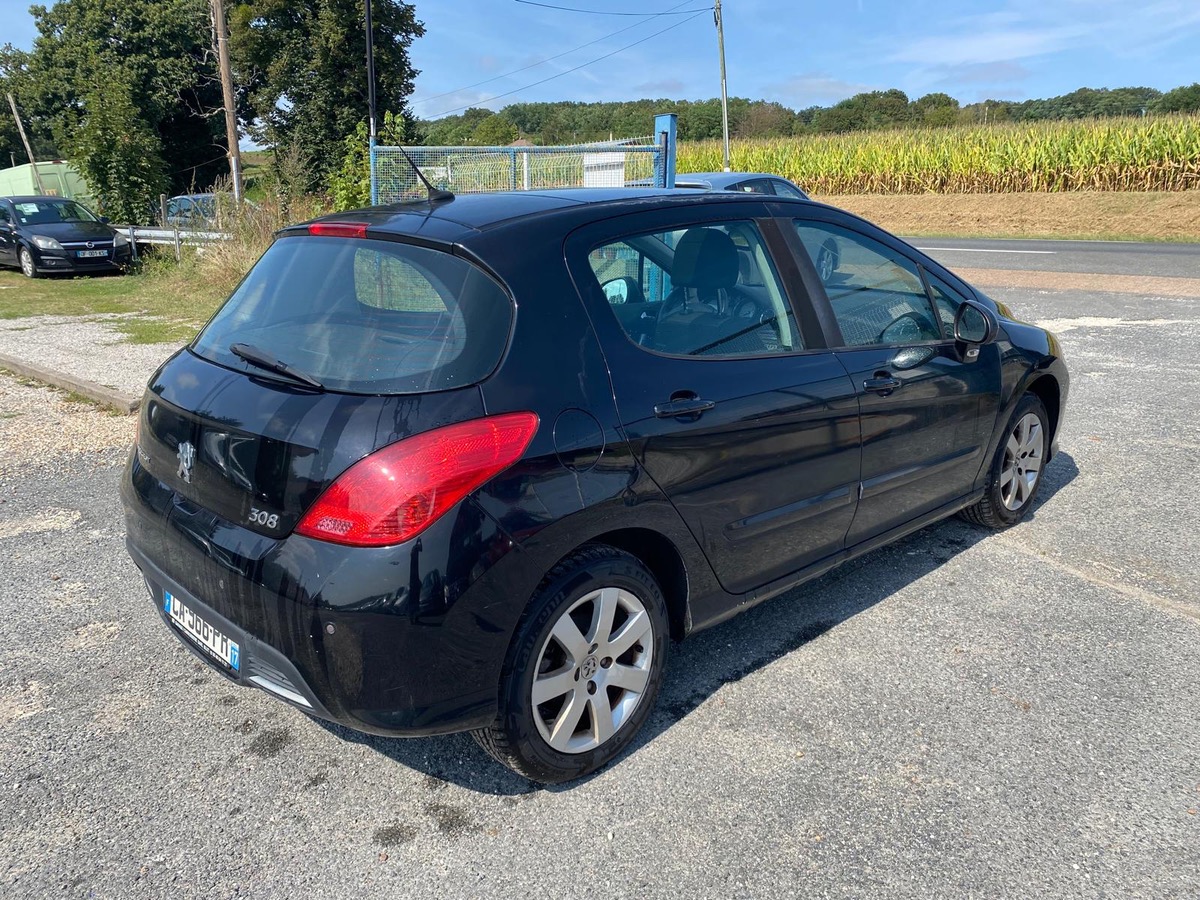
[(173, 237)]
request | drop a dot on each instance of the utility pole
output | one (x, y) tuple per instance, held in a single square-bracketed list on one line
[(371, 106), (724, 95), (231, 134), (37, 176)]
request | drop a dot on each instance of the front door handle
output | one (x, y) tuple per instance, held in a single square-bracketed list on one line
[(683, 407), (881, 384)]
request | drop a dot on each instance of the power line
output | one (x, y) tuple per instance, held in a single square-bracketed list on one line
[(575, 69), (550, 58), (608, 12)]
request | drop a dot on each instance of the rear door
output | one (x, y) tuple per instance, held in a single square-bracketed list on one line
[(926, 414), (725, 393)]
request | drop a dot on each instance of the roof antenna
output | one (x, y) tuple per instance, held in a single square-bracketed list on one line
[(436, 195)]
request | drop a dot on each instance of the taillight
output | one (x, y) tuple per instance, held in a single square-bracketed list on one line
[(396, 493), (338, 229)]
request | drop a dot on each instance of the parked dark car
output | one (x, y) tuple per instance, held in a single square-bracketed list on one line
[(42, 235), (472, 464), (192, 211), (742, 182)]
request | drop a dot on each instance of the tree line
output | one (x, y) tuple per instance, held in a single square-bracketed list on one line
[(566, 122), (129, 89)]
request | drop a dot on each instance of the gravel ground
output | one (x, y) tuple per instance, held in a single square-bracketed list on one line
[(961, 714), (42, 430), (90, 348)]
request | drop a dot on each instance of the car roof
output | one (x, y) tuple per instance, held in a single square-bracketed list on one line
[(720, 180), (453, 220), (25, 198)]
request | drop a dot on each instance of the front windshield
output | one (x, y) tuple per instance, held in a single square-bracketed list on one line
[(50, 212)]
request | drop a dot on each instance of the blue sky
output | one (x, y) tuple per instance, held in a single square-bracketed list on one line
[(799, 52)]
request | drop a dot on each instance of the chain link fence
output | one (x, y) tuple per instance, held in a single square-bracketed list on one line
[(635, 162)]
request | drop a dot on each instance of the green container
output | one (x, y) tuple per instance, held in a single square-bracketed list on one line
[(59, 179)]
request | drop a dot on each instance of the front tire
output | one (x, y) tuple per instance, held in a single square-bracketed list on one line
[(28, 267), (1016, 472), (584, 670)]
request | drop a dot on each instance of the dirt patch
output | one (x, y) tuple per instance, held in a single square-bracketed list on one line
[(22, 701), (116, 713), (1143, 285), (50, 519), (1082, 214), (89, 637), (270, 743)]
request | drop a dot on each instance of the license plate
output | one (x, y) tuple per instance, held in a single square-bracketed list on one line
[(91, 253), (201, 632)]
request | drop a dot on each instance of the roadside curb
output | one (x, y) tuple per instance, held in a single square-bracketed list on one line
[(97, 393)]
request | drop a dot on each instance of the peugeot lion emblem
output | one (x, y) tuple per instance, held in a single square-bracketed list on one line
[(187, 456)]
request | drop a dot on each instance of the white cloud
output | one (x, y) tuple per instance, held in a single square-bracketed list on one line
[(814, 89), (975, 47)]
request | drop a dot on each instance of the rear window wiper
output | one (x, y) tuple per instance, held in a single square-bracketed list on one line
[(260, 358)]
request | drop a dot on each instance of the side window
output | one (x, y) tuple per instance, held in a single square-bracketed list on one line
[(708, 290), (4, 217), (627, 275), (876, 293), (757, 186), (385, 281), (784, 189), (946, 300)]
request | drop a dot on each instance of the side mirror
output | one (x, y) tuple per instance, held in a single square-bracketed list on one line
[(974, 325), (104, 219), (622, 290)]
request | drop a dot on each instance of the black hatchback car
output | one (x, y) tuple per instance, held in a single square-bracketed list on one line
[(45, 235), (472, 464)]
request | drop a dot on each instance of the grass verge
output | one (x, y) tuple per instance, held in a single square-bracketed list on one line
[(165, 300)]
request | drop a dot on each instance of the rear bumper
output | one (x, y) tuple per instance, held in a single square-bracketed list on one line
[(260, 665), (406, 640)]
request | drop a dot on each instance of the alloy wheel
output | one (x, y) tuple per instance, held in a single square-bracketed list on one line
[(27, 268), (593, 670), (1023, 458)]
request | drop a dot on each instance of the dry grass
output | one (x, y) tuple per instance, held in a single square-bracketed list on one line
[(1099, 215), (209, 274)]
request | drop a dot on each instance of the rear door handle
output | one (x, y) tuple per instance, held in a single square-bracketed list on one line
[(685, 406), (881, 385)]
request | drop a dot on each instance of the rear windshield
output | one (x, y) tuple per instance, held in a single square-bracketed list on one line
[(364, 316)]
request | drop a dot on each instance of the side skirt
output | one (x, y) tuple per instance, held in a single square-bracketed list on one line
[(737, 603)]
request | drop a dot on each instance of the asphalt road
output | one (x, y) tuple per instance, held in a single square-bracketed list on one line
[(963, 714), (1095, 257)]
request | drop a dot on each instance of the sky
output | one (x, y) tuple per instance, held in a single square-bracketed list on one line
[(797, 52)]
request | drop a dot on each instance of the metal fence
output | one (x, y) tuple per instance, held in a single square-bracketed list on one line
[(140, 236), (638, 161), (632, 162)]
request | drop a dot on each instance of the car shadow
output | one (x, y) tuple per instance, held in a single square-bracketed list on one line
[(701, 665)]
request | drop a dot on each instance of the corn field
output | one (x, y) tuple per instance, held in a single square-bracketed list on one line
[(1149, 154)]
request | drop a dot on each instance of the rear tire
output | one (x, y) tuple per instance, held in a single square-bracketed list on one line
[(584, 670), (1016, 472)]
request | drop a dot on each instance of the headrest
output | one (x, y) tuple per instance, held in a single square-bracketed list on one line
[(705, 258)]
